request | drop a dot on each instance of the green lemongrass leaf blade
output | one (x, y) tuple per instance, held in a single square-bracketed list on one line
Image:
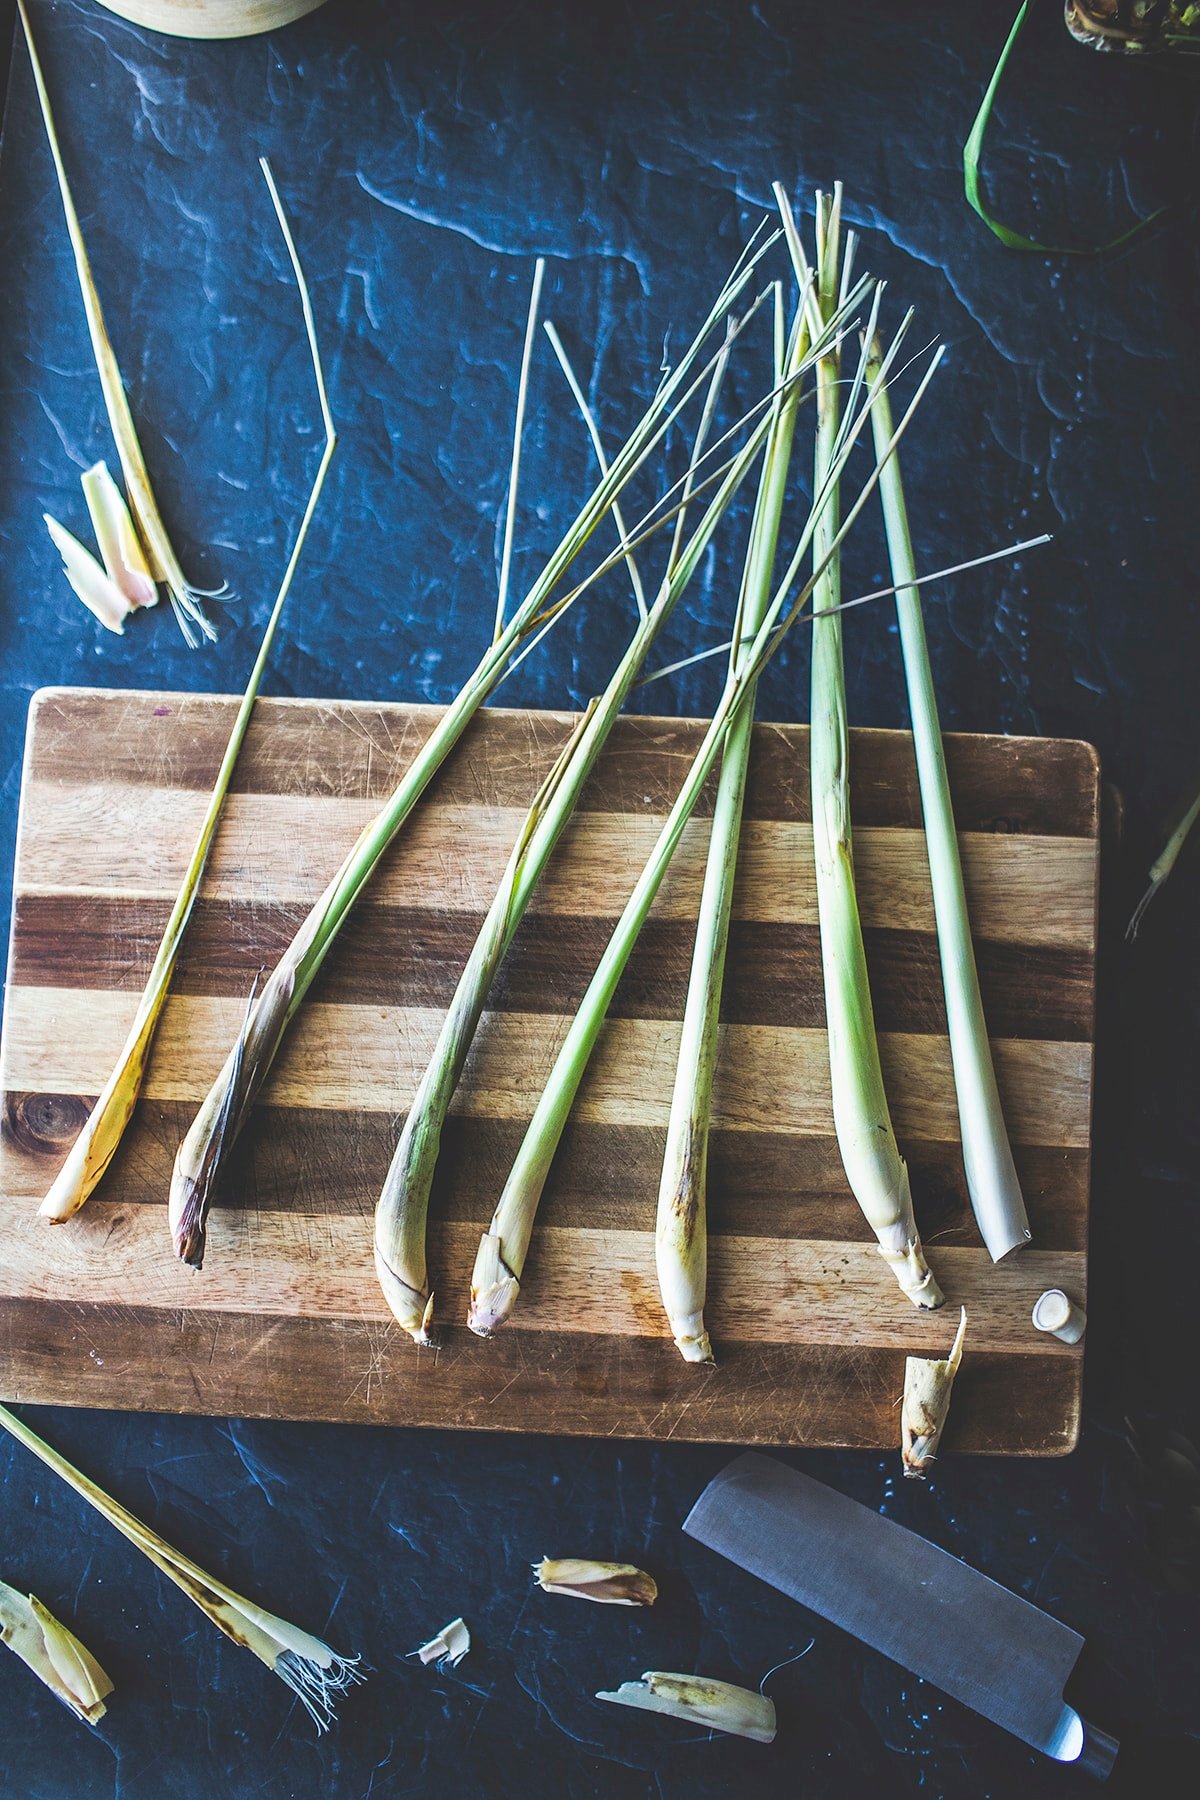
[(163, 561), (874, 1168), (314, 1672), (402, 1210), (973, 184), (97, 1143), (510, 511), (992, 1181), (54, 1654), (200, 1160)]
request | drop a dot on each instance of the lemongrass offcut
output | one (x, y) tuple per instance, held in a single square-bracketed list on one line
[(611, 1584), (926, 1404), (698, 1700), (160, 553), (315, 1673), (55, 1654), (202, 1156), (992, 1181), (875, 1169), (96, 1145)]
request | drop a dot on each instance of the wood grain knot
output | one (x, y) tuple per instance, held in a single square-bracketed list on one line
[(44, 1122)]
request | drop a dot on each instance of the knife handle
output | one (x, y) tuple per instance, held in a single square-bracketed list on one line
[(1099, 1752)]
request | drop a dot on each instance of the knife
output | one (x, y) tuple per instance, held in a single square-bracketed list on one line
[(899, 1593)]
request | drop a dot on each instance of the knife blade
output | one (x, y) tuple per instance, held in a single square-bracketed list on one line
[(900, 1594)]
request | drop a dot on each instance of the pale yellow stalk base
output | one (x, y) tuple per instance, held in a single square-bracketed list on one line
[(54, 1654), (716, 1705), (410, 1308), (926, 1404), (610, 1584), (494, 1287)]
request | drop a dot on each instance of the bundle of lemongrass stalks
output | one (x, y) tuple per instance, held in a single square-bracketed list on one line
[(827, 356)]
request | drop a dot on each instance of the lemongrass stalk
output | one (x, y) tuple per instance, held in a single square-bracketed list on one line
[(992, 1181), (201, 1157), (315, 1673), (96, 1145), (500, 1260), (698, 1700), (875, 1169), (681, 1232), (1181, 822), (55, 1654), (164, 564), (402, 1210)]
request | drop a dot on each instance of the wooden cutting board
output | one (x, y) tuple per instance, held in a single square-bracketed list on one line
[(286, 1320)]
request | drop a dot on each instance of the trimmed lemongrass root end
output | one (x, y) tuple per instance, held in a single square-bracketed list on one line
[(926, 1404), (55, 1654), (681, 1260), (494, 1287), (610, 1584), (715, 1705), (411, 1307), (1059, 1316)]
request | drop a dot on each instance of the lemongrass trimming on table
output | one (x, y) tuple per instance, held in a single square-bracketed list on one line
[(160, 553), (116, 537), (609, 1584), (224, 1111), (1180, 825), (315, 1673), (89, 580), (992, 1181), (681, 1237), (447, 1647), (500, 1260), (54, 1654), (699, 1700), (876, 1171), (925, 1405), (402, 1210), (97, 1143)]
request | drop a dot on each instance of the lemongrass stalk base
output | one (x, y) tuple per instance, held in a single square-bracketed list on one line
[(915, 1276), (411, 1307), (494, 1287), (926, 1404)]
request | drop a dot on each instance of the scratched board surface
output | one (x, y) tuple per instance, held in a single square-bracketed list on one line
[(286, 1318)]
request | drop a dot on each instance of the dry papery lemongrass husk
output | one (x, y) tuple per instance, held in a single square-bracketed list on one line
[(612, 1584), (315, 1673), (926, 1403), (97, 1143), (401, 1214), (55, 1654), (202, 1155), (874, 1167), (500, 1260), (715, 1705), (159, 551)]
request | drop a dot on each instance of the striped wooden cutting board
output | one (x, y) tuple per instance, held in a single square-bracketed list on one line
[(285, 1318)]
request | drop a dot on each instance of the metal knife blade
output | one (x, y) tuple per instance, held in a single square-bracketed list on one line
[(902, 1595)]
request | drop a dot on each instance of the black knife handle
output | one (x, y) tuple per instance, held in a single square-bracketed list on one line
[(1099, 1752)]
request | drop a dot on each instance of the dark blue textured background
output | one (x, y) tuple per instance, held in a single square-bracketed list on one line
[(428, 153)]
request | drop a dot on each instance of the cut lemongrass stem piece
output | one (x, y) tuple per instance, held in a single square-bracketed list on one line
[(926, 1404), (90, 583), (713, 1705), (680, 1238), (55, 1654), (315, 1673), (97, 1143), (1180, 826), (500, 1261), (201, 1158), (992, 1181), (447, 1647), (160, 553), (116, 536), (402, 1211), (875, 1169), (611, 1584), (510, 510), (1059, 1316)]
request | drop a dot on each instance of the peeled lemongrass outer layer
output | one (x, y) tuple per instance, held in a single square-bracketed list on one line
[(612, 1584), (91, 583), (681, 1233), (992, 1180), (402, 1210), (875, 1169), (200, 1161), (164, 564), (55, 1654), (96, 1145), (447, 1647), (315, 1673), (116, 535), (926, 1404), (716, 1705), (500, 1260)]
